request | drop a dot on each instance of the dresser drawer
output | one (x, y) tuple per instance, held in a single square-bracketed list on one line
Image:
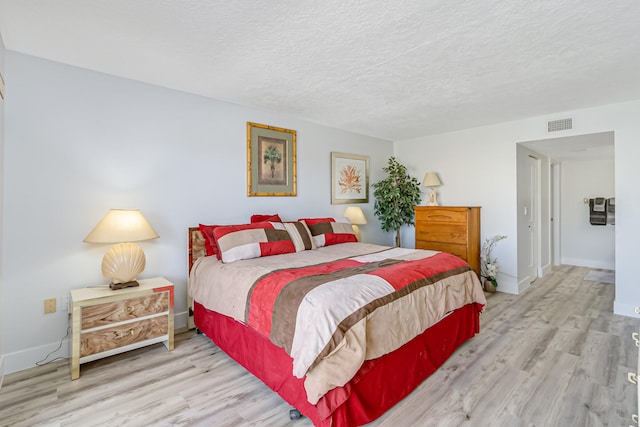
[(440, 215), (121, 335), (446, 233), (457, 250), (118, 311)]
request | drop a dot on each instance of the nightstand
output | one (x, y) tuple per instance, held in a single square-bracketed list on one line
[(107, 322)]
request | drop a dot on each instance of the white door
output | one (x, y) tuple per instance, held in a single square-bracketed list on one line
[(530, 213), (555, 213)]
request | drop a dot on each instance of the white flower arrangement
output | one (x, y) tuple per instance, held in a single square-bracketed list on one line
[(489, 265)]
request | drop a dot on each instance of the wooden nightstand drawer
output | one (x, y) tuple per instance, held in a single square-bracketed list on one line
[(122, 335), (448, 233), (438, 214), (119, 311)]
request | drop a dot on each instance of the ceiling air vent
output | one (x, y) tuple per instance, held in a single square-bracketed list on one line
[(558, 125)]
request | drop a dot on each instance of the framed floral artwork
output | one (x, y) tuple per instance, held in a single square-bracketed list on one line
[(271, 161), (349, 178)]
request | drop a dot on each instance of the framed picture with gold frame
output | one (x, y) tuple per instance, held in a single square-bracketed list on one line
[(349, 178), (271, 161)]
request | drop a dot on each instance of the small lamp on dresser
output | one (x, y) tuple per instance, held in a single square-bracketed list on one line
[(124, 261), (356, 216), (431, 180)]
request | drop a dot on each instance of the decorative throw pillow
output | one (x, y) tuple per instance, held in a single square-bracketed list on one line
[(210, 246), (246, 241), (300, 235), (330, 231), (265, 218)]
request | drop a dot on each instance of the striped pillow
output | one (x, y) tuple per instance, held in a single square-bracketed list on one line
[(246, 241), (330, 231), (300, 235)]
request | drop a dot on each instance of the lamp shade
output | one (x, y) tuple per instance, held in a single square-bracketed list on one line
[(431, 180), (120, 225), (355, 215)]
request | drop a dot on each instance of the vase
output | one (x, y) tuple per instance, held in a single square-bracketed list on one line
[(490, 286)]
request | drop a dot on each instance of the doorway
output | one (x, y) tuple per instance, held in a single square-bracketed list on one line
[(571, 169)]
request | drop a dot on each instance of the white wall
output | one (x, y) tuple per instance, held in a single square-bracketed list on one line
[(477, 167), (582, 243), (2, 71), (79, 143)]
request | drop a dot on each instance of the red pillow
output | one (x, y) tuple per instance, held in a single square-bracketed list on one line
[(210, 245), (265, 218), (312, 221), (330, 231), (246, 241)]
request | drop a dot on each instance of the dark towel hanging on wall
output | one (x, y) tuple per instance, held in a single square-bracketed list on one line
[(598, 211), (611, 211)]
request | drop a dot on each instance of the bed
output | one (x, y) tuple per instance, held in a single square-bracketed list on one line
[(344, 329)]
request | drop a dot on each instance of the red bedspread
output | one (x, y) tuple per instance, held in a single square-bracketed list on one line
[(331, 312), (377, 386)]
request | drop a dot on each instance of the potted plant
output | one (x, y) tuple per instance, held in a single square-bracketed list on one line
[(396, 195), (488, 264)]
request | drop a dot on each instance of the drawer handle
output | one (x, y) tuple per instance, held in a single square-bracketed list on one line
[(632, 377), (120, 335), (635, 338), (634, 417)]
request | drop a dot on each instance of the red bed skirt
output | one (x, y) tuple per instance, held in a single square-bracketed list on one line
[(376, 387)]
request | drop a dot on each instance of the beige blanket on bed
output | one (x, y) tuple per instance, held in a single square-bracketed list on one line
[(328, 356)]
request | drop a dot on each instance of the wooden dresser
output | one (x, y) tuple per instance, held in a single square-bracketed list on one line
[(453, 229), (107, 322)]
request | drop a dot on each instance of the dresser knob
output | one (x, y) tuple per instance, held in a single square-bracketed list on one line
[(636, 339), (125, 334), (634, 417), (632, 377)]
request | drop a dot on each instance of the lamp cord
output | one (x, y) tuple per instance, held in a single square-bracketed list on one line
[(42, 362)]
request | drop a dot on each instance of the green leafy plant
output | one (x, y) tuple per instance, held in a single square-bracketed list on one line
[(396, 195), (272, 156)]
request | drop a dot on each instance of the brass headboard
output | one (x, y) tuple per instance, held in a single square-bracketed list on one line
[(196, 250), (196, 246)]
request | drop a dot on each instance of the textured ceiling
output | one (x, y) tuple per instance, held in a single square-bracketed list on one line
[(391, 69), (595, 146)]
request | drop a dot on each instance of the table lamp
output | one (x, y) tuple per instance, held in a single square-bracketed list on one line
[(124, 261), (431, 180), (356, 216)]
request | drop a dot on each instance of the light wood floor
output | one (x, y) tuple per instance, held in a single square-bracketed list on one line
[(554, 356)]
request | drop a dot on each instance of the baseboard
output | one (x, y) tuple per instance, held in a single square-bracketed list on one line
[(546, 269), (509, 285), (27, 358), (624, 309), (1, 370), (180, 320), (591, 263)]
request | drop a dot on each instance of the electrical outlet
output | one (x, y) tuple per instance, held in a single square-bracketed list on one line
[(63, 303), (49, 305)]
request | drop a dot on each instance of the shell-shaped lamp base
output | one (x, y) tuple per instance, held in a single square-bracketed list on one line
[(123, 262)]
